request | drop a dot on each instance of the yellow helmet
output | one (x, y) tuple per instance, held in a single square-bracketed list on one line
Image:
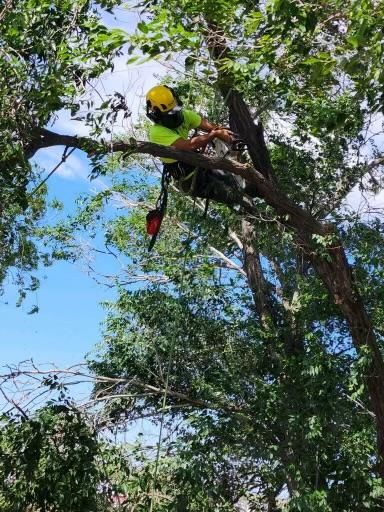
[(161, 98)]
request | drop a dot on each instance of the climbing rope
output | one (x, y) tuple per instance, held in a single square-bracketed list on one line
[(156, 217), (173, 344), (168, 372)]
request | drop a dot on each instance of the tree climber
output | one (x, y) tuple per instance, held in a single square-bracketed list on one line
[(172, 125)]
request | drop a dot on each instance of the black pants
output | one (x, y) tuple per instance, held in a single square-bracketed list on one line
[(213, 184)]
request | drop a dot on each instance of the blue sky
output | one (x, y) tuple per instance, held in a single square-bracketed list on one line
[(68, 323)]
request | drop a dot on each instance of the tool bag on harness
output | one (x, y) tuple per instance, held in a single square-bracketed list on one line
[(155, 217), (183, 174), (196, 182)]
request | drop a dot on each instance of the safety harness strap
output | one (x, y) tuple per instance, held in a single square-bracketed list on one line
[(155, 217)]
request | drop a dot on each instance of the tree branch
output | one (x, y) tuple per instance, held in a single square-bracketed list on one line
[(291, 215), (375, 163)]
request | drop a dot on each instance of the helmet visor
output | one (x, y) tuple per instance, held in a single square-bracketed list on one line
[(173, 118)]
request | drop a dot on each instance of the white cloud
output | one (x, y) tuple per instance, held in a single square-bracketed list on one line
[(63, 124), (276, 124), (130, 80), (73, 168), (365, 204)]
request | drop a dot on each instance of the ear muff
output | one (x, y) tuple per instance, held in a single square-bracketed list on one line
[(175, 95), (153, 115)]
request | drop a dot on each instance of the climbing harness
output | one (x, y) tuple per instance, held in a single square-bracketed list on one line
[(155, 217), (187, 176)]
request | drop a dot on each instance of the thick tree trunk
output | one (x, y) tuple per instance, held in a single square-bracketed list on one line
[(332, 268), (241, 123), (337, 276), (255, 277)]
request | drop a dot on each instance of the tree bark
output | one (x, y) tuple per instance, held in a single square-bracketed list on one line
[(337, 276), (255, 276), (272, 504), (242, 123)]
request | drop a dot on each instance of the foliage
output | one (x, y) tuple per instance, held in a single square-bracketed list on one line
[(255, 382), (48, 462), (279, 400), (49, 52), (267, 419)]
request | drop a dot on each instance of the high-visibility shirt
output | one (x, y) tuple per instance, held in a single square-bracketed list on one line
[(159, 134)]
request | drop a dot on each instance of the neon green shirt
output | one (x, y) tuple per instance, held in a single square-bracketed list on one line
[(166, 137)]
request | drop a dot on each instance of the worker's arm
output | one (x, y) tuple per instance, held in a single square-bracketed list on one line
[(221, 132), (206, 126), (200, 141)]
